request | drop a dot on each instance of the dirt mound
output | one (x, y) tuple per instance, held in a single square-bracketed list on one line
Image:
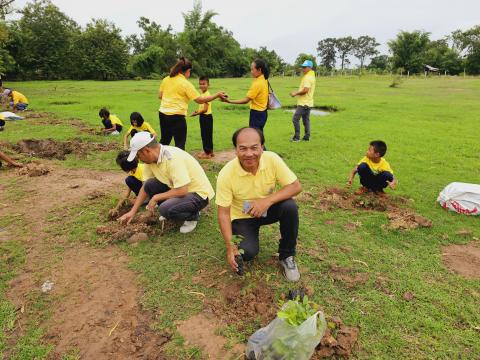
[(49, 148), (34, 170), (339, 340), (201, 330), (399, 216), (220, 157), (403, 219), (463, 259), (113, 231), (241, 305), (349, 277)]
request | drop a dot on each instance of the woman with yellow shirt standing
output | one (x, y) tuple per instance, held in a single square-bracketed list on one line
[(257, 95), (175, 93)]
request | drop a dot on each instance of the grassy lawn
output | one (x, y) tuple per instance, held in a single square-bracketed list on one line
[(431, 129)]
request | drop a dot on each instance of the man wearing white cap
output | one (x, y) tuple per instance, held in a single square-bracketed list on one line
[(176, 182), (305, 101)]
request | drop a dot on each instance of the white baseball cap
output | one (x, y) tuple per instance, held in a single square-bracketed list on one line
[(138, 142)]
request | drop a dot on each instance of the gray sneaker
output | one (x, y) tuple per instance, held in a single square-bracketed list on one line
[(294, 139), (290, 269)]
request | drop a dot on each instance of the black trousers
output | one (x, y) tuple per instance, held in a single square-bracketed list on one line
[(134, 184), (173, 126), (285, 212), (371, 181), (108, 125), (180, 208), (206, 130), (2, 122), (258, 119)]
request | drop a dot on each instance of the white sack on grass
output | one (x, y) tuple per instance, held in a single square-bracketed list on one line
[(8, 115), (460, 197)]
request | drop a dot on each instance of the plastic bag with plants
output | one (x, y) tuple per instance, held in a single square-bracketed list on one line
[(292, 335)]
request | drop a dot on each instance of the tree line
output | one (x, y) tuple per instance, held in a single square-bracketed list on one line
[(44, 43)]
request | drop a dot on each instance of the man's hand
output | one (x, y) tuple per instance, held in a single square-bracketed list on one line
[(349, 182), (17, 164), (127, 218), (392, 184), (151, 204), (232, 251), (258, 207), (293, 94)]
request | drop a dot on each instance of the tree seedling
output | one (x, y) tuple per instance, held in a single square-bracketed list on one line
[(238, 258)]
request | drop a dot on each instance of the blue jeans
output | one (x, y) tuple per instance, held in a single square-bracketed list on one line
[(373, 182)]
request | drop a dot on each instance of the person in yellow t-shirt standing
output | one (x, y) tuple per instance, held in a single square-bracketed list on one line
[(257, 95), (206, 120), (247, 198), (374, 171), (305, 94), (177, 183), (175, 93)]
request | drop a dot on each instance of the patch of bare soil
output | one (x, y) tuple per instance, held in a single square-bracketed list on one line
[(200, 330), (94, 303), (463, 259), (34, 170), (338, 341), (400, 217), (348, 276), (52, 149), (241, 304), (220, 157)]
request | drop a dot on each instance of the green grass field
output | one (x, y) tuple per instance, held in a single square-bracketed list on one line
[(431, 129)]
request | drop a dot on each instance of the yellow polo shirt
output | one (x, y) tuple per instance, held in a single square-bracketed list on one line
[(379, 167), (115, 120), (138, 172), (177, 93), (201, 106), (145, 127), (258, 93), (176, 168), (235, 185), (308, 81), (19, 97)]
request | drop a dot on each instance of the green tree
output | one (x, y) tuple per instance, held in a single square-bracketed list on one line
[(345, 47), (440, 55), (213, 50), (408, 50), (154, 51), (365, 46), (43, 39), (467, 44), (327, 52), (5, 8), (6, 60), (381, 62), (275, 63), (100, 51)]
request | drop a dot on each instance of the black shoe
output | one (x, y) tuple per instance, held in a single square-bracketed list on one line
[(294, 139), (305, 139)]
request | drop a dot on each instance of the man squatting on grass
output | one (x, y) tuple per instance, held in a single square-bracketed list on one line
[(374, 171), (175, 182), (247, 199)]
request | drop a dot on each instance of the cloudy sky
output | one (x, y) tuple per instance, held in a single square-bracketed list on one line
[(290, 26)]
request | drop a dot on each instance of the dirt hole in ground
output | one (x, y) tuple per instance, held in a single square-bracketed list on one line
[(49, 148), (64, 102), (34, 169), (400, 217), (463, 259), (220, 157), (349, 277)]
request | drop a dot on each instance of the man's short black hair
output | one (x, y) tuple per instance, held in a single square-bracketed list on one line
[(236, 133), (124, 164), (379, 146), (204, 78), (104, 113)]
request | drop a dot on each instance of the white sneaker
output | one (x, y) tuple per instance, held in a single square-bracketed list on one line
[(115, 133), (188, 226)]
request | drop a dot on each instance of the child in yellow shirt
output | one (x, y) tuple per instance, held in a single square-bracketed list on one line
[(112, 124), (206, 120), (373, 170), (138, 124)]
